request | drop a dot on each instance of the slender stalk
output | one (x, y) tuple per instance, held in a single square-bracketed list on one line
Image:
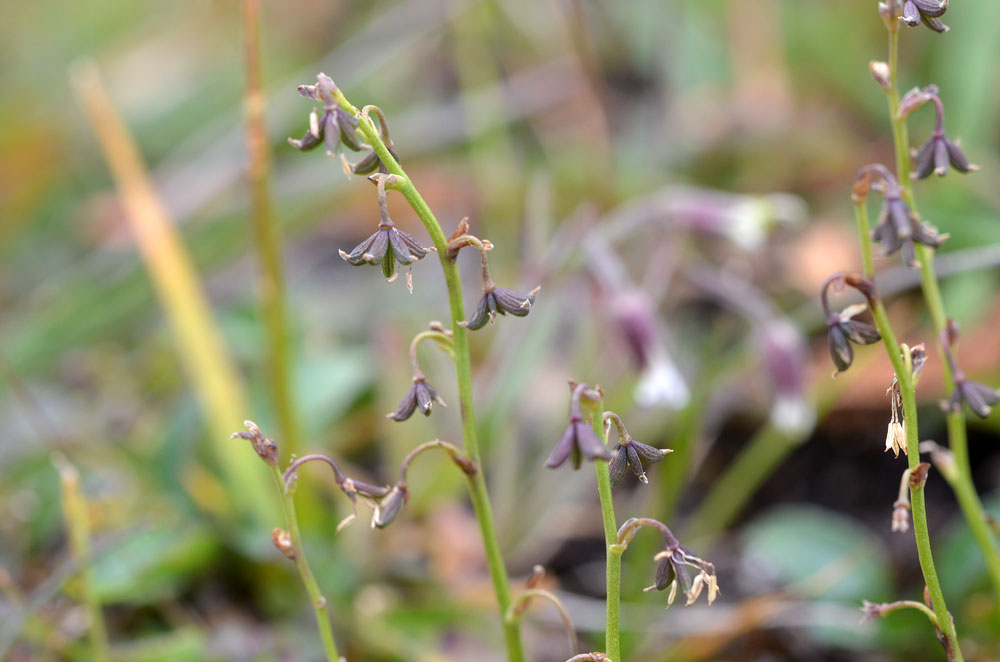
[(887, 608), (77, 521), (316, 599), (733, 489), (612, 637), (903, 368), (271, 281), (463, 367), (963, 486), (200, 346), (516, 610)]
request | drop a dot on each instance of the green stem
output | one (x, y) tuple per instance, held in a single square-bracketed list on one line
[(962, 485), (463, 367), (612, 638), (864, 237), (758, 460), (316, 598), (77, 520), (271, 280), (904, 374)]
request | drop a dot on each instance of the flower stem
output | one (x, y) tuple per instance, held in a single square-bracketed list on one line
[(516, 610), (962, 485), (733, 489), (77, 522), (316, 598), (612, 639), (271, 280), (904, 374), (463, 367)]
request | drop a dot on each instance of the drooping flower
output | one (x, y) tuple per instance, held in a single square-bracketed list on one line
[(579, 440), (500, 301), (899, 227), (842, 328), (421, 396), (979, 397), (629, 453), (926, 11), (388, 245), (938, 152)]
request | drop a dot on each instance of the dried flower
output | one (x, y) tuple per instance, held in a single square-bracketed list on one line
[(629, 453), (264, 447), (895, 437), (926, 11), (901, 507), (283, 542), (674, 572), (979, 397), (842, 327), (388, 245), (880, 72), (579, 439), (420, 396)]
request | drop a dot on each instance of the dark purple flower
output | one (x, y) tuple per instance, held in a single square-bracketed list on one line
[(386, 247), (387, 507), (842, 328), (499, 301), (579, 439), (926, 11), (898, 228), (979, 397), (420, 396), (935, 155), (629, 453)]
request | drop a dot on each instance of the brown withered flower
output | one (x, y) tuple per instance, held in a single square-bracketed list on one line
[(842, 328), (676, 564), (980, 398), (579, 440), (629, 453), (421, 396)]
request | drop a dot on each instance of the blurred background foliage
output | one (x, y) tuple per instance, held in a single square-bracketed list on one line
[(584, 139)]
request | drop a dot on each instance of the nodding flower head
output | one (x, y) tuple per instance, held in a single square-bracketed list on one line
[(674, 573), (979, 397), (390, 505), (389, 245), (898, 227), (842, 328), (579, 439), (927, 12), (629, 453), (938, 152), (499, 301), (421, 396), (335, 127)]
